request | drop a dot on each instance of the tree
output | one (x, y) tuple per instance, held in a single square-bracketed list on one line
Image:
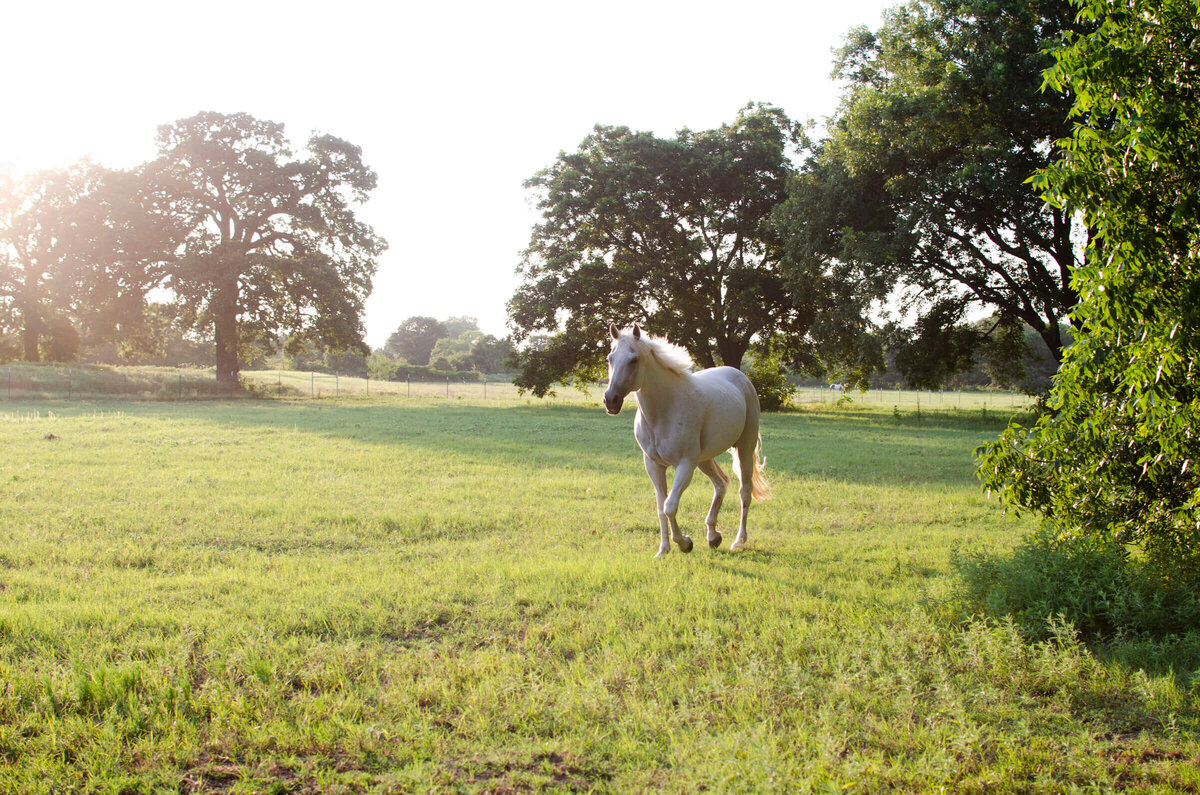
[(491, 354), (920, 186), (116, 258), (272, 242), (1115, 458), (454, 353), (35, 248), (671, 233), (457, 326), (414, 339)]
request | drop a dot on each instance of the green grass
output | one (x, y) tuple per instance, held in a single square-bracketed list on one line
[(420, 594)]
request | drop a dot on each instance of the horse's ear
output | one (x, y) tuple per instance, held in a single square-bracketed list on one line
[(614, 331), (637, 331)]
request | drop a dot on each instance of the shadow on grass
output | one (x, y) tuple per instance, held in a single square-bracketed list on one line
[(855, 447)]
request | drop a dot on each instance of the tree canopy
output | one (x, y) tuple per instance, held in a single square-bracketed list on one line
[(671, 233), (413, 341), (1115, 459), (919, 189)]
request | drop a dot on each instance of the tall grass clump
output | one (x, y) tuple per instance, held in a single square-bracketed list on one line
[(1099, 587)]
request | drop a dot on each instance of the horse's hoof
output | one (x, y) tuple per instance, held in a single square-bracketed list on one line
[(715, 540), (737, 546), (662, 553), (685, 545)]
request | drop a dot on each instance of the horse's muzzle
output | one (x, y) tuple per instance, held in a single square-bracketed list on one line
[(613, 403)]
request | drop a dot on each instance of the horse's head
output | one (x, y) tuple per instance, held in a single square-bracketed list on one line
[(624, 367)]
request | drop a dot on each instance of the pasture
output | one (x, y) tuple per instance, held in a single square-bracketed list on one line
[(415, 594)]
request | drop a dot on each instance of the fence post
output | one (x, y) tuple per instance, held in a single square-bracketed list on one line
[(68, 383), (408, 381), (368, 384), (337, 389), (179, 396), (447, 386), (312, 384), (485, 387)]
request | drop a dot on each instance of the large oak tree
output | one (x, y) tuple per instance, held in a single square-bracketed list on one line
[(669, 232), (920, 187), (271, 240)]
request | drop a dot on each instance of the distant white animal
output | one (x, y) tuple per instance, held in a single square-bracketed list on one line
[(685, 420), (836, 387)]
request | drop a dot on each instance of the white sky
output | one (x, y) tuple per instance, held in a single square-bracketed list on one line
[(454, 104)]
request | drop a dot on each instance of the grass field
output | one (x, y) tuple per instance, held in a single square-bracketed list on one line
[(413, 594)]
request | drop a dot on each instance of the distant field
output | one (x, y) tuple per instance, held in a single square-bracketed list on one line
[(422, 594)]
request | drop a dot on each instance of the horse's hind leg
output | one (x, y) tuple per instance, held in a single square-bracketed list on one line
[(720, 481), (744, 460)]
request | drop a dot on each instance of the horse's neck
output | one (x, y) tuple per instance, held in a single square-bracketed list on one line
[(661, 390)]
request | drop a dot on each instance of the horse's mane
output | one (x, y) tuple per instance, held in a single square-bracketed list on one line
[(669, 355)]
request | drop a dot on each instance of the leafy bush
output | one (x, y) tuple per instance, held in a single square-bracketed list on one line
[(770, 380), (384, 368), (1095, 585), (1115, 456)]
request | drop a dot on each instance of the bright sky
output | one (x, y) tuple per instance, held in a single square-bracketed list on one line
[(454, 104)]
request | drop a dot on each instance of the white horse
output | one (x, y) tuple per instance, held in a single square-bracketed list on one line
[(685, 420)]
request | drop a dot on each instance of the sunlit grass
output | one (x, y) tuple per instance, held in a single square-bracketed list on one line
[(421, 593)]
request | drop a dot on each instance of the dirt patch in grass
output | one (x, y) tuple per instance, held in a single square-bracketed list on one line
[(560, 772)]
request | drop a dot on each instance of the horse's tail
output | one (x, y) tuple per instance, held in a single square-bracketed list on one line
[(760, 489)]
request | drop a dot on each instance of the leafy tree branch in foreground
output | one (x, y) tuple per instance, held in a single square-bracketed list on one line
[(1115, 459)]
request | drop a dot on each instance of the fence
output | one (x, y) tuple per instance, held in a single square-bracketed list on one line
[(62, 382), (918, 400), (296, 383)]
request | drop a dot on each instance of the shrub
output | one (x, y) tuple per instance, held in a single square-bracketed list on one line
[(770, 380), (1097, 586)]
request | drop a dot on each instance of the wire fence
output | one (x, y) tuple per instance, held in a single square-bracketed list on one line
[(918, 400), (302, 384), (63, 382), (25, 382)]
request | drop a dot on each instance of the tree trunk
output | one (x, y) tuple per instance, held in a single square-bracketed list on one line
[(1052, 336), (31, 331), (225, 332), (731, 351)]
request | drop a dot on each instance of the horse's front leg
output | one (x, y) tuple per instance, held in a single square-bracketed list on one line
[(658, 476), (720, 482), (683, 476)]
